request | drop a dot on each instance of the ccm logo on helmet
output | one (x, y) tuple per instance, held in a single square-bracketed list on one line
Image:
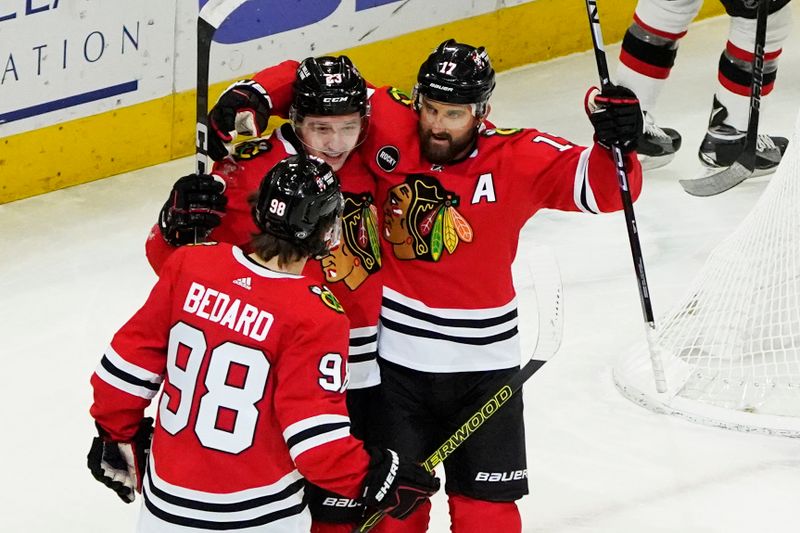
[(387, 158), (334, 99), (495, 477)]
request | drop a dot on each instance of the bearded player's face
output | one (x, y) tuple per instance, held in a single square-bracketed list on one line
[(446, 131)]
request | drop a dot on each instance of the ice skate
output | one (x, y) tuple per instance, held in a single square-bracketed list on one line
[(657, 146), (724, 143)]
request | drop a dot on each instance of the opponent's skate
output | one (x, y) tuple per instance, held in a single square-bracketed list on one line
[(723, 143), (656, 146)]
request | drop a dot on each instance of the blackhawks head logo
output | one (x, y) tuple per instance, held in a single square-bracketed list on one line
[(421, 219), (358, 254)]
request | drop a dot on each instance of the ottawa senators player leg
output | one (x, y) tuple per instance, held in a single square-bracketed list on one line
[(727, 125), (646, 59)]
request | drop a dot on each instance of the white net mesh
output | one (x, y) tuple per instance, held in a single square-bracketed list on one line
[(731, 347)]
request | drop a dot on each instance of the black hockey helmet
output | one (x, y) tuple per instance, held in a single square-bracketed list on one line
[(329, 86), (456, 73), (300, 201)]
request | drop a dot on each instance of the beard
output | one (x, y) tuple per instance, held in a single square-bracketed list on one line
[(441, 153)]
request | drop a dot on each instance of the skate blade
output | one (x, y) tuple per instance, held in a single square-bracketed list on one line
[(650, 162)]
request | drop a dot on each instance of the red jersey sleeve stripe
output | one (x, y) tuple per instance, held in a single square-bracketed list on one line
[(582, 192), (127, 377), (315, 431)]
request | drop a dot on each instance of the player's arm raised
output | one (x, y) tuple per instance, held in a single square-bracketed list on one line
[(244, 108), (571, 177)]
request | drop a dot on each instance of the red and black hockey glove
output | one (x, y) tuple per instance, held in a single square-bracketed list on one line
[(395, 485), (120, 465), (195, 207), (243, 108), (616, 116)]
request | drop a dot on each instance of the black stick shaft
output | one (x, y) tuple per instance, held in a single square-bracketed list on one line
[(762, 11), (622, 173), (627, 202), (205, 34)]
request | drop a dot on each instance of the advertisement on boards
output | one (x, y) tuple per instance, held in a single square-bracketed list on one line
[(61, 60), (263, 32)]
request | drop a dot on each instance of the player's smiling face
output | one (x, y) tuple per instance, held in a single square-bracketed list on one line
[(446, 131), (331, 138)]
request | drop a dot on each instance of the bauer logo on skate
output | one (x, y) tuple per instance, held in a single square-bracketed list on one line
[(218, 307)]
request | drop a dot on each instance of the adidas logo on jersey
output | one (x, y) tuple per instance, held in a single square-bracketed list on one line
[(243, 282)]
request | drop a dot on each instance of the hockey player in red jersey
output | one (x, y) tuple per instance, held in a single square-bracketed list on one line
[(455, 195), (329, 117), (648, 53), (250, 357)]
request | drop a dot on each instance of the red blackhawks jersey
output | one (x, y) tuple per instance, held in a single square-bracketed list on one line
[(351, 270), (251, 364), (450, 231)]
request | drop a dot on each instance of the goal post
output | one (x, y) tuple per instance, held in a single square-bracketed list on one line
[(731, 346)]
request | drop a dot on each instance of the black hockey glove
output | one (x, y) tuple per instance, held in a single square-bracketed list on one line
[(395, 485), (616, 116), (243, 108), (120, 465), (194, 207)]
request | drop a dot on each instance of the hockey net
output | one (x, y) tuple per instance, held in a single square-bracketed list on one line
[(731, 347)]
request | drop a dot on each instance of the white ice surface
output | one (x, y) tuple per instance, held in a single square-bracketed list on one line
[(73, 270)]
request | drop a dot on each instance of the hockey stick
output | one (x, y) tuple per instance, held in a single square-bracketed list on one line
[(745, 164), (549, 297), (627, 206), (210, 17)]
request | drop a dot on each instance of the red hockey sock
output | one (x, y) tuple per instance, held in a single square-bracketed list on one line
[(416, 523), (324, 527), (477, 516)]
